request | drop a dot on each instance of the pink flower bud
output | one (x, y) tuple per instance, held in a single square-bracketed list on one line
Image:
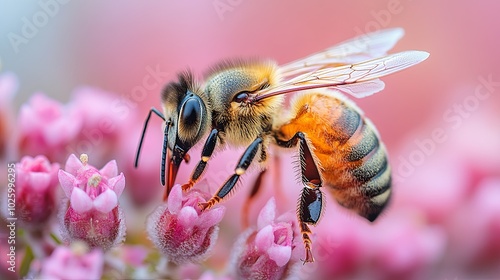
[(180, 230), (75, 262), (36, 187), (266, 253), (92, 214)]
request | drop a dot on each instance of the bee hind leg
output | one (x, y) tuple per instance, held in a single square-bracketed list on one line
[(310, 204), (308, 213)]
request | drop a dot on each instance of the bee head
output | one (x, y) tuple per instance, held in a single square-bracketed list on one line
[(186, 113), (185, 106)]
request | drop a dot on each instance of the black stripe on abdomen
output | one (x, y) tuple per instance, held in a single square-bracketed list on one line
[(369, 142)]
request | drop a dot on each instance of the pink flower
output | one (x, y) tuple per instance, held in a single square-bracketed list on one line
[(180, 230), (75, 262), (36, 187), (266, 253), (90, 123), (46, 127), (93, 213)]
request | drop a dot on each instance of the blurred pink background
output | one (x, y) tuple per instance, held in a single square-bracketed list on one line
[(114, 45)]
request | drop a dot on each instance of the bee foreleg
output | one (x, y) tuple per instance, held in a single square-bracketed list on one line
[(245, 161), (206, 153), (311, 199)]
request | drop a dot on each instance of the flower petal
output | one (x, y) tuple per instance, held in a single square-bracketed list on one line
[(187, 217), (174, 201), (110, 169), (267, 214), (39, 181), (264, 238), (22, 176), (73, 164), (280, 254), (211, 217), (117, 184), (67, 182), (106, 201), (80, 201)]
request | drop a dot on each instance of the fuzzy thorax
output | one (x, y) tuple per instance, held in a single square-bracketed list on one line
[(241, 120)]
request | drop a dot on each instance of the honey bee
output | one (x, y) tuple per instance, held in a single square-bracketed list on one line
[(241, 104)]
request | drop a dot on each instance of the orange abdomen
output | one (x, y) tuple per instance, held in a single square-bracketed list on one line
[(352, 160)]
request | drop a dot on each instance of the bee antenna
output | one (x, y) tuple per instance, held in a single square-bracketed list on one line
[(159, 114)]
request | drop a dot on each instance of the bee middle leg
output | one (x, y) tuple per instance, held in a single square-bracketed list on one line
[(311, 198), (243, 164)]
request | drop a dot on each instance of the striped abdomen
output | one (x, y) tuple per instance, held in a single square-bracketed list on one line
[(352, 159)]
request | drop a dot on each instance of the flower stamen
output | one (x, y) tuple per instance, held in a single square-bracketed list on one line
[(94, 180), (84, 158)]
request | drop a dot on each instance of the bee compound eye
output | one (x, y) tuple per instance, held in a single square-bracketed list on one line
[(191, 112), (240, 97)]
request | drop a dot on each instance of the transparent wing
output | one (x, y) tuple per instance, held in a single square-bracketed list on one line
[(361, 48), (358, 79)]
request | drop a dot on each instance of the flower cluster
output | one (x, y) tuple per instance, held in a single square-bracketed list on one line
[(84, 125)]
